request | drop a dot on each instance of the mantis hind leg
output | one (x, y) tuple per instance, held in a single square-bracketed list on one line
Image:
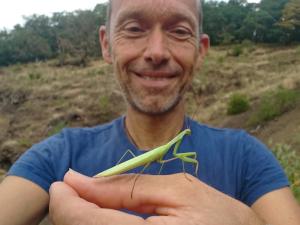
[(137, 176)]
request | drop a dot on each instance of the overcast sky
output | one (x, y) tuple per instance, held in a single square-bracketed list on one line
[(12, 11)]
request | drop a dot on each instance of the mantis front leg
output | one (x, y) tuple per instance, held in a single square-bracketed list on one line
[(190, 157)]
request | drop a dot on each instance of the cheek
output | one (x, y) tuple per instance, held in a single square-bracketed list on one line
[(124, 53), (185, 54), (186, 59)]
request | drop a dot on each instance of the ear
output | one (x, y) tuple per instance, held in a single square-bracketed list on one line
[(204, 45), (105, 46)]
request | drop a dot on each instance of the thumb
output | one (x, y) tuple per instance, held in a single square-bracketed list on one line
[(66, 208), (62, 213)]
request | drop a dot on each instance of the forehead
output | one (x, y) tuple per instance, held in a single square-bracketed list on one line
[(157, 9)]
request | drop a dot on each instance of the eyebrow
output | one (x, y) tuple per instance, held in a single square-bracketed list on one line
[(129, 14), (142, 15)]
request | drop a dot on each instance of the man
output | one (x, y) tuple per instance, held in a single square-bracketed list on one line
[(154, 46)]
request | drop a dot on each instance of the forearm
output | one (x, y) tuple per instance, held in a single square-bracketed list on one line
[(278, 207), (21, 202)]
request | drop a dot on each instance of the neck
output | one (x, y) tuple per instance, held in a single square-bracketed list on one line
[(150, 131)]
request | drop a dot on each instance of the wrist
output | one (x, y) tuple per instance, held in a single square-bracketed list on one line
[(254, 219)]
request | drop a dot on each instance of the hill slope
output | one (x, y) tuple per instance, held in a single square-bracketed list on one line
[(37, 100)]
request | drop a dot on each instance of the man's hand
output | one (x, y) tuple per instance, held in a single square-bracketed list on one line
[(173, 199)]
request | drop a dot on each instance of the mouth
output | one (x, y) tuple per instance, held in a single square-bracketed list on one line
[(155, 75), (157, 80)]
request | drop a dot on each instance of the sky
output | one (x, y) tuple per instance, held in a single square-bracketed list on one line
[(12, 11)]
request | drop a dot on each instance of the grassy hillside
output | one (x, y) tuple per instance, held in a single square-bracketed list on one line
[(39, 99)]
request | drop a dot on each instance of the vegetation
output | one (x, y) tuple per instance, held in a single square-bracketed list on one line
[(57, 128), (72, 38), (236, 51), (274, 104), (238, 103), (290, 161)]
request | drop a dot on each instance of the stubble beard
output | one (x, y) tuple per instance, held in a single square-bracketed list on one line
[(152, 102), (158, 104)]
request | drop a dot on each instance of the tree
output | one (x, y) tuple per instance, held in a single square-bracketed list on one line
[(5, 57), (256, 26), (41, 26), (76, 35), (27, 46), (290, 19)]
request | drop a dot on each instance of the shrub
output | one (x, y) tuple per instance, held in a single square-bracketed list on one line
[(290, 161), (57, 128), (273, 104), (104, 103), (236, 51), (238, 103), (248, 45), (298, 50), (34, 75)]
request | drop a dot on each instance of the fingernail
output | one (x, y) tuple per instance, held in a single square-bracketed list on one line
[(71, 171)]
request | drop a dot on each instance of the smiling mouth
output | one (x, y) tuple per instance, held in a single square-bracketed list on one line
[(156, 76)]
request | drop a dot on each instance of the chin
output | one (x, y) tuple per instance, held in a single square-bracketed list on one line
[(155, 108)]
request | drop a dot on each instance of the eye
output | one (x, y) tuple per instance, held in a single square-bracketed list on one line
[(133, 29), (181, 33)]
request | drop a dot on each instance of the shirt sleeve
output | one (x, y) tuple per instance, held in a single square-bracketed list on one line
[(40, 164), (261, 171)]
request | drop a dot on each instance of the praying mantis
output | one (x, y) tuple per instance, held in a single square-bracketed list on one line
[(153, 155)]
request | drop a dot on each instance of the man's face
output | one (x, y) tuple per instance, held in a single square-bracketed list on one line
[(154, 48)]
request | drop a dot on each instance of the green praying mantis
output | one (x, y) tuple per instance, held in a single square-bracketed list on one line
[(153, 155)]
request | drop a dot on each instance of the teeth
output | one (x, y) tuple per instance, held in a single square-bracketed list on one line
[(154, 78)]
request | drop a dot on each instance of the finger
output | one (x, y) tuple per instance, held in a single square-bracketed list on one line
[(115, 192), (67, 208)]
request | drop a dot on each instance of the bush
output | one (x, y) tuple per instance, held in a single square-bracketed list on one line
[(248, 45), (34, 76), (290, 161), (273, 104), (298, 50), (236, 51), (57, 128), (238, 103)]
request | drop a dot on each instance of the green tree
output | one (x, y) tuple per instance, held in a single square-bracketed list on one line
[(76, 35), (290, 19), (5, 56), (41, 26), (256, 26), (214, 21), (28, 46), (274, 8)]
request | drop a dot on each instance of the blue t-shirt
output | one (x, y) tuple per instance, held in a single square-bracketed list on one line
[(231, 161)]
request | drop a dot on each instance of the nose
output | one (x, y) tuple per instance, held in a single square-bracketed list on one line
[(157, 51)]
